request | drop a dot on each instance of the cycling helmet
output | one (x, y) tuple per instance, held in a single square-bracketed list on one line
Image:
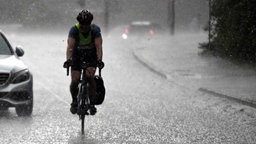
[(85, 17)]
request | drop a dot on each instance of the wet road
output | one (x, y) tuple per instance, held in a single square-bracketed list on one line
[(140, 106)]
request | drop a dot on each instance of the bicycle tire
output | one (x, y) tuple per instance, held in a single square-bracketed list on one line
[(82, 123), (79, 100), (83, 102)]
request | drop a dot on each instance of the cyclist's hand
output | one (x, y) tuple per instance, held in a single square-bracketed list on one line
[(100, 64), (67, 63)]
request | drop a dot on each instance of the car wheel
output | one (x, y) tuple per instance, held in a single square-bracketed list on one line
[(24, 110)]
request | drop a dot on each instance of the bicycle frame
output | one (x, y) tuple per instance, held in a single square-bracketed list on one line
[(83, 95)]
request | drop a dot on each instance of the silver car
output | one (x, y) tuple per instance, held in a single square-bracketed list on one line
[(16, 81)]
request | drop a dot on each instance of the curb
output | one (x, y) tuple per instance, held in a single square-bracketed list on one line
[(216, 94), (143, 62)]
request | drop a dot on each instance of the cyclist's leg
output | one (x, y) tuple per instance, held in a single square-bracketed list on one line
[(90, 72), (75, 77)]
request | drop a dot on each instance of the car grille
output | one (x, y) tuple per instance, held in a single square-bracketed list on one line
[(3, 78), (20, 96), (2, 94)]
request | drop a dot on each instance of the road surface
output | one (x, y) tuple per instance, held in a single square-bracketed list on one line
[(140, 106)]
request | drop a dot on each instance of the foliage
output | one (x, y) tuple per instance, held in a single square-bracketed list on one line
[(234, 28)]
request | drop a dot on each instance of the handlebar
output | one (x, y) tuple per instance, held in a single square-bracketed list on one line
[(83, 66)]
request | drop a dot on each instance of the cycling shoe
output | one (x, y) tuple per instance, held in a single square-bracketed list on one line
[(73, 108), (93, 110)]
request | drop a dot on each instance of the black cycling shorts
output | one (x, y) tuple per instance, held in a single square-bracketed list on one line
[(88, 56)]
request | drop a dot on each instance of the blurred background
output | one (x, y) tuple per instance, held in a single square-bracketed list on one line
[(182, 15)]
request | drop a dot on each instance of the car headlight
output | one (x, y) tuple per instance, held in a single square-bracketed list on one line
[(21, 76), (124, 36)]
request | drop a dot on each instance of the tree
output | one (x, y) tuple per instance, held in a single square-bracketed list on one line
[(234, 29)]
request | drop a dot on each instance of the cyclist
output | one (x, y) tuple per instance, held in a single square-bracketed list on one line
[(85, 40)]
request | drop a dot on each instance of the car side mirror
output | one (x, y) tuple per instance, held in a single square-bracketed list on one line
[(19, 51)]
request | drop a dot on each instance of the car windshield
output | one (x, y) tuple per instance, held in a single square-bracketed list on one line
[(143, 28), (4, 47), (140, 28)]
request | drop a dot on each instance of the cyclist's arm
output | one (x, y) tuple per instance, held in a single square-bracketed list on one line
[(71, 44), (98, 44)]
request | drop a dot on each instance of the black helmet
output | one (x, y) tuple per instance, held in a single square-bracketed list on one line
[(85, 17)]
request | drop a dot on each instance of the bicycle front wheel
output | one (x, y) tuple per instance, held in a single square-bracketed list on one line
[(82, 123)]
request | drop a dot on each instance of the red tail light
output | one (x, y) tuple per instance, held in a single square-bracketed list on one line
[(126, 31), (151, 31)]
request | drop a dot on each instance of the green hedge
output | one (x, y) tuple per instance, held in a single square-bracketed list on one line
[(233, 25)]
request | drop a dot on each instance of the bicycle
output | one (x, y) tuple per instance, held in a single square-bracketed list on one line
[(83, 97)]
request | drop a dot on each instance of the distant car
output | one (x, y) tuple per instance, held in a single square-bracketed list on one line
[(16, 81), (142, 29)]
